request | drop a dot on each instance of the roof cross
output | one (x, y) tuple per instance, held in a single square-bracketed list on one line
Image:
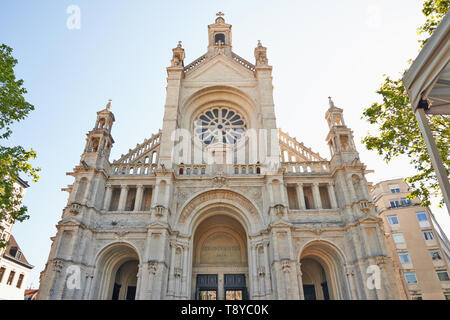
[(220, 14)]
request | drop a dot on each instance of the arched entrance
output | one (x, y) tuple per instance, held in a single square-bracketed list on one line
[(322, 272), (116, 273), (220, 260)]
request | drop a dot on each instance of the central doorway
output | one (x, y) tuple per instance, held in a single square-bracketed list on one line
[(220, 263), (234, 287)]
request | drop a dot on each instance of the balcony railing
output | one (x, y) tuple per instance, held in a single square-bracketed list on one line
[(143, 169), (310, 167)]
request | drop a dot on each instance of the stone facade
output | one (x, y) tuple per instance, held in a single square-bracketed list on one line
[(219, 203)]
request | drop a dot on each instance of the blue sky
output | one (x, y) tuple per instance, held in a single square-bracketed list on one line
[(316, 48)]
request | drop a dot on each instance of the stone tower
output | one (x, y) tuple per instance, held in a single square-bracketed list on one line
[(219, 204)]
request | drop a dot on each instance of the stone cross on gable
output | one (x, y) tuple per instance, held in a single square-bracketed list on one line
[(220, 14)]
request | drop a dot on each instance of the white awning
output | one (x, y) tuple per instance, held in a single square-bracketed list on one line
[(428, 78)]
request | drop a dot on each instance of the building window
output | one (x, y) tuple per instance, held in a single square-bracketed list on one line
[(394, 203), (421, 216), (2, 272), (406, 202), (219, 37), (11, 278), (443, 275), (393, 219), (19, 282), (398, 238), (447, 296), (435, 255), (404, 257), (219, 125), (428, 235), (410, 277), (394, 188)]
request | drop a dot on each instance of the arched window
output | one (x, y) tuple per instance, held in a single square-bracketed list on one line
[(219, 37)]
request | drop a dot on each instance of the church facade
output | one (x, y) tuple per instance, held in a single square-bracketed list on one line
[(220, 203)]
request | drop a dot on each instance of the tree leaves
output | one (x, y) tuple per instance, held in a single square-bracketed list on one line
[(14, 161), (399, 134)]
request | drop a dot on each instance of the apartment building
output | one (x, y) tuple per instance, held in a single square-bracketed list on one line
[(418, 245)]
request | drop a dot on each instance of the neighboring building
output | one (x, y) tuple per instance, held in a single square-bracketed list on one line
[(250, 213), (14, 272), (420, 249), (14, 267)]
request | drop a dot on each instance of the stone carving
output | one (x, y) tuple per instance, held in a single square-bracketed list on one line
[(121, 233), (219, 180), (178, 56), (285, 266), (75, 208), (152, 267), (261, 272), (177, 272), (58, 265), (261, 55), (217, 195)]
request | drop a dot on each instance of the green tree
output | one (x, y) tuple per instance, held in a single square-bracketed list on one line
[(398, 131), (13, 160)]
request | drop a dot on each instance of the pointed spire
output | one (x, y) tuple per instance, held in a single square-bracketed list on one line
[(330, 102)]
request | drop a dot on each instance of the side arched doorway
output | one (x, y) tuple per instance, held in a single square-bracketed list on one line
[(322, 273), (220, 260), (116, 273)]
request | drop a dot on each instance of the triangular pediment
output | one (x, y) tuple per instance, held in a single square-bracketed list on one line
[(220, 68)]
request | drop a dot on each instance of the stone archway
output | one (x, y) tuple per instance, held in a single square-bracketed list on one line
[(116, 273), (322, 274), (220, 259)]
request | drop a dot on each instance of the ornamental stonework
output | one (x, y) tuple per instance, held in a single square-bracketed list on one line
[(217, 195)]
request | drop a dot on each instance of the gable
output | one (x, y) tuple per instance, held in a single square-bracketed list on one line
[(220, 68)]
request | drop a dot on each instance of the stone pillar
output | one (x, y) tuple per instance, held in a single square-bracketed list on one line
[(184, 288), (316, 196), (254, 273), (170, 289), (363, 186), (107, 200), (351, 281), (300, 281), (332, 195), (300, 196), (123, 197), (155, 195), (351, 188), (284, 195), (138, 201), (267, 269)]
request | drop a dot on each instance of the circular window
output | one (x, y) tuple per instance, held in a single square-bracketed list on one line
[(219, 124)]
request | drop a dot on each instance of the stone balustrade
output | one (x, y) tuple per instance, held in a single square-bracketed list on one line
[(125, 169), (310, 167)]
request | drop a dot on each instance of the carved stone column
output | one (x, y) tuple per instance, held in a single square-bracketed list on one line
[(332, 195), (300, 281), (316, 196), (267, 276), (170, 286), (123, 197), (107, 200), (138, 201), (300, 196)]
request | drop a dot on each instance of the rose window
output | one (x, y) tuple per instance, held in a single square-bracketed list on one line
[(219, 124)]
